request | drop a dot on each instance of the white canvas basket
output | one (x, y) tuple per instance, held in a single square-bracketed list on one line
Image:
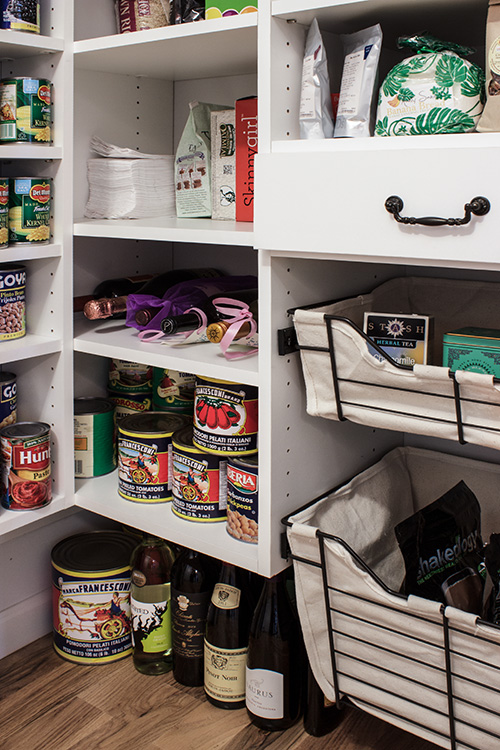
[(344, 381), (429, 669)]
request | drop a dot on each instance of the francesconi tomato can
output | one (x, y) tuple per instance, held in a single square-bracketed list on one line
[(26, 468), (145, 456), (225, 417)]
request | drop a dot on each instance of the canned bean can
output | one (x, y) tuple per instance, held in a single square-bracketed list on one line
[(129, 377), (145, 456), (129, 403), (95, 452), (225, 417), (25, 110), (243, 499), (91, 596), (12, 302), (29, 210), (199, 491), (8, 399), (4, 212), (20, 15), (26, 475), (173, 391)]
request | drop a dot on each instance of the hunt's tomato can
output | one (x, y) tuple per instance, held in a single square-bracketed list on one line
[(225, 417), (26, 468), (243, 498), (199, 488), (145, 456)]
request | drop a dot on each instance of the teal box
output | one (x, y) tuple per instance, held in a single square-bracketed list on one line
[(473, 349)]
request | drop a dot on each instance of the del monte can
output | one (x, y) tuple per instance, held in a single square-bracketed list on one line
[(29, 212), (25, 110)]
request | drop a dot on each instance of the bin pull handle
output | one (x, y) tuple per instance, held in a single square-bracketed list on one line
[(478, 206)]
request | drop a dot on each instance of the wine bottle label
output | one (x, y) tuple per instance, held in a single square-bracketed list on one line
[(151, 617), (225, 673), (264, 693), (225, 596), (189, 614)]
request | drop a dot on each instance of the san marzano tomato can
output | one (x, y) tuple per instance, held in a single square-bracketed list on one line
[(26, 468), (225, 417)]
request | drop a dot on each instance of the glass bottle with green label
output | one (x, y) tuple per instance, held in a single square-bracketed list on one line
[(151, 565)]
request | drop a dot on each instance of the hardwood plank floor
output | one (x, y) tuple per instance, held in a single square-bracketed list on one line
[(48, 703)]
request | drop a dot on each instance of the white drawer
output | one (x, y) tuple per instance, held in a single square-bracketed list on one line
[(329, 197)]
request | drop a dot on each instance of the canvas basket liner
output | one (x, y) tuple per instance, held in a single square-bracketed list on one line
[(389, 649), (421, 400)]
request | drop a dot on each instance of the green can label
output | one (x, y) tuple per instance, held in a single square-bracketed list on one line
[(29, 212), (173, 391), (25, 110), (95, 452)]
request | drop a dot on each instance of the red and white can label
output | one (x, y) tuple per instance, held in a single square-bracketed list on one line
[(225, 417), (144, 467), (26, 472)]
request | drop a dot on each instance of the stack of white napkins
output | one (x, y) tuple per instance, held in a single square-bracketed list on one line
[(128, 184)]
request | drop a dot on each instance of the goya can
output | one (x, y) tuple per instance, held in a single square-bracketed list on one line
[(243, 499), (129, 377), (26, 469), (199, 491), (173, 391), (8, 399), (91, 596), (145, 456), (29, 210), (225, 417), (25, 110), (95, 452), (129, 403), (4, 212), (12, 302), (20, 15)]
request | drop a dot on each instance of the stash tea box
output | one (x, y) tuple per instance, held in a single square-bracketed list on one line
[(473, 349), (223, 159), (404, 338), (246, 148)]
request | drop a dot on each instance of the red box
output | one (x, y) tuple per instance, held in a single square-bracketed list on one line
[(246, 136)]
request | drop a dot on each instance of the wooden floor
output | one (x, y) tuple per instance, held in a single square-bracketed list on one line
[(48, 703)]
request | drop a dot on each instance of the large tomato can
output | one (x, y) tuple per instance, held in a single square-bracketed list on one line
[(225, 417), (26, 468), (243, 498), (130, 378), (145, 456), (199, 491), (91, 596), (173, 391)]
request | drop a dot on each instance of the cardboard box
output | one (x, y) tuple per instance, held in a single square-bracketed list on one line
[(223, 157), (246, 148), (404, 338), (473, 349), (223, 8)]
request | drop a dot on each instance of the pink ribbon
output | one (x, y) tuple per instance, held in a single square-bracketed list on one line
[(236, 314)]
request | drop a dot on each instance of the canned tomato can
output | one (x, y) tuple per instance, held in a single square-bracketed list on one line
[(129, 403), (225, 417), (26, 470), (91, 596), (20, 15), (95, 452), (4, 212), (8, 399), (173, 391), (145, 456), (199, 491), (29, 210), (12, 302), (129, 377), (243, 499), (25, 110)]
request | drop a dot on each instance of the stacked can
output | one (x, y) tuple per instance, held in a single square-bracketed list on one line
[(173, 391), (22, 15), (129, 388), (29, 210), (25, 110), (95, 452)]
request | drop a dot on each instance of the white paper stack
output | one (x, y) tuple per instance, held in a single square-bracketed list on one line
[(128, 184)]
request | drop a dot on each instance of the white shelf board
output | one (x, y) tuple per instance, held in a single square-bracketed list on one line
[(227, 46), (100, 495), (20, 520), (27, 347), (169, 229), (19, 44), (29, 151), (112, 339), (15, 253), (402, 143)]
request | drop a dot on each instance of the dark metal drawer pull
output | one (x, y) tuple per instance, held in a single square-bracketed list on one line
[(478, 206)]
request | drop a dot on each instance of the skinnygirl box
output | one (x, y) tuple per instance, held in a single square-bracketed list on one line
[(246, 148)]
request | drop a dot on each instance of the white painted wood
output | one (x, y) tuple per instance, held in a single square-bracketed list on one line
[(169, 230)]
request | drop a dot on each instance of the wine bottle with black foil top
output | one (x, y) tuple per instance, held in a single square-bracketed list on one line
[(275, 661), (151, 565), (226, 639), (194, 319), (193, 579), (156, 286)]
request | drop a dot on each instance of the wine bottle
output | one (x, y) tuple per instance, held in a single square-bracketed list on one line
[(273, 674), (111, 288), (217, 329), (320, 715), (193, 580), (151, 565), (109, 305), (226, 640), (194, 319)]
